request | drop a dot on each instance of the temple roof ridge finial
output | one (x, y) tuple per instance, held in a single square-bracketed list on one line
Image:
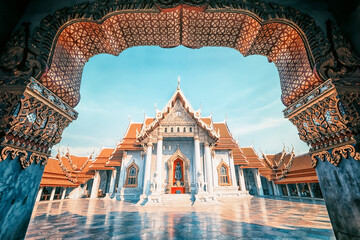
[(178, 86)]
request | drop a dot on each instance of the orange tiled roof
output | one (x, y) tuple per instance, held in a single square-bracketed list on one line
[(252, 158), (102, 159), (226, 141), (300, 171), (67, 171)]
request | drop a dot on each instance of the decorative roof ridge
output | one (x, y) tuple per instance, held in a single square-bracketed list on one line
[(285, 171), (267, 161)]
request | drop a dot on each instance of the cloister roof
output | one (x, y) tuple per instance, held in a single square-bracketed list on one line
[(66, 171), (100, 162)]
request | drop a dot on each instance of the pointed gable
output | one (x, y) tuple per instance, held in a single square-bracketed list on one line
[(178, 100)]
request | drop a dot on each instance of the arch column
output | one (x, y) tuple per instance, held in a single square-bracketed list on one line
[(328, 120), (32, 120)]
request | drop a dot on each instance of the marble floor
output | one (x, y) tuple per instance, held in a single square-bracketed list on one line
[(247, 218)]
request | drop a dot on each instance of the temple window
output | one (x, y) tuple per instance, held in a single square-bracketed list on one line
[(172, 129), (165, 129), (178, 129), (184, 129), (190, 129), (223, 171), (131, 176)]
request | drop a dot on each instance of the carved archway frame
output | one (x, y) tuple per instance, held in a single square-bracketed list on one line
[(328, 57), (170, 166)]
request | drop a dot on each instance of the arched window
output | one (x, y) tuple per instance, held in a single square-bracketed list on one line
[(172, 129), (184, 129), (223, 172), (190, 129), (178, 130), (131, 176), (165, 129)]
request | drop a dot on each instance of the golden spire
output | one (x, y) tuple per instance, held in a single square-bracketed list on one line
[(178, 87)]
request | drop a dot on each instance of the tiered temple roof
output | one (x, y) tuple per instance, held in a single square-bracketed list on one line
[(300, 171), (67, 171), (102, 159)]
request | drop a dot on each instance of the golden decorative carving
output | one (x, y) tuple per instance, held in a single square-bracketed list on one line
[(23, 156), (337, 154), (321, 118)]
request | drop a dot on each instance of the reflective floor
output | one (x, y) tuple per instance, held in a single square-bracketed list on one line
[(253, 218)]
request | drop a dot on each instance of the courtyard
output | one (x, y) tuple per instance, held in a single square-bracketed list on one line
[(246, 218)]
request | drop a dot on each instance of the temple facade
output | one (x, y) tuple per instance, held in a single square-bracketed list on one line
[(178, 152)]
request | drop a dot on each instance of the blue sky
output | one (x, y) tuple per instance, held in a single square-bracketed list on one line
[(220, 80)]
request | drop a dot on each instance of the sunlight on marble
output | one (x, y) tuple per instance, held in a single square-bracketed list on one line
[(247, 218)]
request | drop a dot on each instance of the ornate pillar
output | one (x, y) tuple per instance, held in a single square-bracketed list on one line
[(38, 197), (209, 172), (32, 120), (311, 191), (63, 193), (328, 120), (198, 172), (95, 186), (147, 183), (258, 182), (242, 179), (112, 182), (159, 163)]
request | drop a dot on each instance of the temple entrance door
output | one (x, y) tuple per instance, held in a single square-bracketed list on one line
[(178, 186)]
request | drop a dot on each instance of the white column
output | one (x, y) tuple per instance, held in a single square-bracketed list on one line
[(232, 170), (288, 189), (311, 191), (241, 179), (271, 191), (95, 186), (298, 190), (147, 184), (159, 164), (276, 188), (52, 194), (38, 196), (112, 182), (209, 172), (63, 193), (258, 182), (198, 171)]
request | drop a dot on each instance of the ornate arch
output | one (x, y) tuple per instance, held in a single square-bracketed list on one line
[(170, 165), (223, 175), (300, 49), (132, 172)]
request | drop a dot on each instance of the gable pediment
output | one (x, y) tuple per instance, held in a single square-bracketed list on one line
[(178, 115)]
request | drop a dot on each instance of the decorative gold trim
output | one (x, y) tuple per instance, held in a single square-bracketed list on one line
[(23, 156), (126, 185), (337, 154), (222, 163)]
